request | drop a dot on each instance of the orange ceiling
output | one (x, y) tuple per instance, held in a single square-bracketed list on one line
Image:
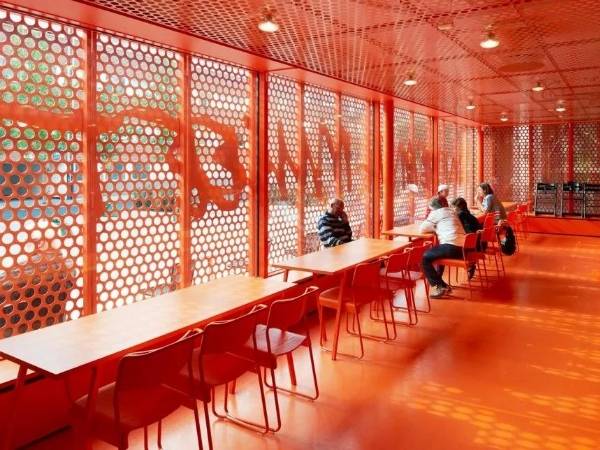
[(375, 43)]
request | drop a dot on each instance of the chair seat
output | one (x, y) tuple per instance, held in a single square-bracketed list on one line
[(148, 410), (218, 370), (282, 343), (397, 280), (352, 295)]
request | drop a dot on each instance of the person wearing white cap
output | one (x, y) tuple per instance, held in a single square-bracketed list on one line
[(443, 191)]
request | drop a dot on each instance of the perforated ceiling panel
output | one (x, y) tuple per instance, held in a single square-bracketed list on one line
[(376, 44)]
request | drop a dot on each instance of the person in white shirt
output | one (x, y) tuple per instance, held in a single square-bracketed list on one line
[(444, 222)]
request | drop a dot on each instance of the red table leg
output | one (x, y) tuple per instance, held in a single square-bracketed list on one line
[(338, 316), (12, 416), (90, 408)]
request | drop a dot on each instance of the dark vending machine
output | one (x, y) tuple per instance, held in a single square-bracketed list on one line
[(572, 199), (546, 198)]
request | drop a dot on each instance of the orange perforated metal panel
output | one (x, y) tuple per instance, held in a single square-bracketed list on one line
[(222, 154), (138, 97), (423, 163), (506, 161), (549, 153), (284, 146), (356, 163), (41, 156), (404, 187), (321, 163)]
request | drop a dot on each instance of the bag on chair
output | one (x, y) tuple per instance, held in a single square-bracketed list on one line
[(508, 242)]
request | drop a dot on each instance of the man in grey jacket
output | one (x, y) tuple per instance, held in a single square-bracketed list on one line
[(444, 222)]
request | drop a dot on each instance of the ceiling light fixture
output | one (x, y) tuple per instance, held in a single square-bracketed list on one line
[(268, 25), (539, 87), (504, 117), (490, 41), (410, 81), (560, 107), (470, 106)]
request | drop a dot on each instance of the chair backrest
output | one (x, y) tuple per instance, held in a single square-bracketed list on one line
[(141, 375), (488, 234), (367, 274), (288, 312), (470, 244), (398, 262), (416, 256), (514, 218), (230, 336), (489, 220)]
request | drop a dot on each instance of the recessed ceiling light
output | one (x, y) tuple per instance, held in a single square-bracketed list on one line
[(410, 81), (268, 25), (539, 87), (560, 107), (470, 106), (504, 117), (490, 41)]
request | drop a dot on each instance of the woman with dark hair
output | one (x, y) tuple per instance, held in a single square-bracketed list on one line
[(468, 220), (490, 203)]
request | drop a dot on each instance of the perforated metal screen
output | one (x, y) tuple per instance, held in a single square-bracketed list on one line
[(423, 163), (404, 169), (222, 153), (41, 239), (284, 146), (138, 96), (506, 161)]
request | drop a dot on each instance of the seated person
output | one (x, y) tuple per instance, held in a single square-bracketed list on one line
[(490, 203), (334, 227), (469, 221), (443, 192), (444, 222)]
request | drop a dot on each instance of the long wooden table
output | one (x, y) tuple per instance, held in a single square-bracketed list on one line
[(91, 340), (411, 231), (340, 260)]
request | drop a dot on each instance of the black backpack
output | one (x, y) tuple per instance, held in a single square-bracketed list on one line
[(508, 240)]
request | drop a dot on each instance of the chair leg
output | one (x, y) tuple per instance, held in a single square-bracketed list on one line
[(208, 429), (159, 432), (232, 387), (276, 398), (360, 337), (145, 438), (323, 329), (198, 432), (502, 262)]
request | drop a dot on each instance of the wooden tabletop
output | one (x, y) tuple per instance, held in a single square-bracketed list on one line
[(333, 260), (411, 231), (78, 343)]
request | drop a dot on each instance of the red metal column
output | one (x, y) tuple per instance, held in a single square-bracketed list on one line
[(187, 149), (376, 169), (262, 223), (90, 180), (302, 153), (337, 155), (368, 129), (570, 161), (388, 165), (530, 164), (435, 179), (481, 154)]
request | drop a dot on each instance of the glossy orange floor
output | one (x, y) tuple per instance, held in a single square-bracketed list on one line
[(518, 367)]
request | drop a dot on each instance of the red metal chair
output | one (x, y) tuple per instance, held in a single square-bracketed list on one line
[(222, 358), (395, 277), (364, 289), (491, 246), (142, 394), (415, 270), (284, 331), (470, 256)]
